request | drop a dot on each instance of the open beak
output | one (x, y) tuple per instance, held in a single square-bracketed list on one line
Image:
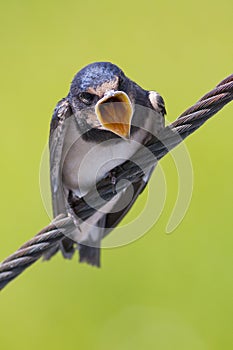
[(114, 111)]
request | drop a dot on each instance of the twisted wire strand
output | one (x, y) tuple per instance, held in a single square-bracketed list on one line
[(33, 249), (169, 137)]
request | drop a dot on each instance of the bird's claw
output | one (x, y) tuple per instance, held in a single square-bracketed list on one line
[(113, 180)]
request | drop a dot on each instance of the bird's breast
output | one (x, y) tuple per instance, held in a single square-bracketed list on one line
[(85, 163)]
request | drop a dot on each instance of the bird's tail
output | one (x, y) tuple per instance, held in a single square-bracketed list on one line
[(89, 255)]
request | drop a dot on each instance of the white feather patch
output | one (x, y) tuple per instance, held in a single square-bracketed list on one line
[(153, 97)]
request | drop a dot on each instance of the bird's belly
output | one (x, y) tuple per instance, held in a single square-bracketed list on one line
[(86, 163)]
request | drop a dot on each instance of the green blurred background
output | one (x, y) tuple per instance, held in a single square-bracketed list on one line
[(162, 291)]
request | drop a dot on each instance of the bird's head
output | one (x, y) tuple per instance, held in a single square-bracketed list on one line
[(103, 98)]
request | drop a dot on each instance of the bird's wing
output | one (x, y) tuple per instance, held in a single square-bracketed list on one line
[(58, 129), (114, 218)]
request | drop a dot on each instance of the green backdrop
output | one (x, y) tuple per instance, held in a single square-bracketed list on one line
[(164, 291)]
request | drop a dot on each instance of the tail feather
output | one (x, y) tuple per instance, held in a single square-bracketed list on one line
[(89, 255), (67, 248)]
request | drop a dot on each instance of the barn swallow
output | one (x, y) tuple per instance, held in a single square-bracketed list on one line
[(104, 120)]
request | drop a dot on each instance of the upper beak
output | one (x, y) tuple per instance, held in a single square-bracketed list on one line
[(114, 112)]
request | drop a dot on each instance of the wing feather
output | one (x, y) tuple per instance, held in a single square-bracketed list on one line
[(57, 135), (56, 141)]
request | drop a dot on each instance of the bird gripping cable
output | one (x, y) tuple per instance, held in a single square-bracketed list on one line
[(171, 136)]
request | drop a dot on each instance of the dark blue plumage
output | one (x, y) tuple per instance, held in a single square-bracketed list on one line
[(94, 75)]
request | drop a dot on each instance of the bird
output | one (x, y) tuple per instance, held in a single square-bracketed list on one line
[(102, 122)]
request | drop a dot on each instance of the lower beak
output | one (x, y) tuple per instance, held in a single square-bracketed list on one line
[(114, 112)]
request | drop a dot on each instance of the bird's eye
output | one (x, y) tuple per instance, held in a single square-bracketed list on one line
[(86, 97)]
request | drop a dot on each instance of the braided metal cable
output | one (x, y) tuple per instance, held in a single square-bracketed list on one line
[(32, 250), (171, 136)]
